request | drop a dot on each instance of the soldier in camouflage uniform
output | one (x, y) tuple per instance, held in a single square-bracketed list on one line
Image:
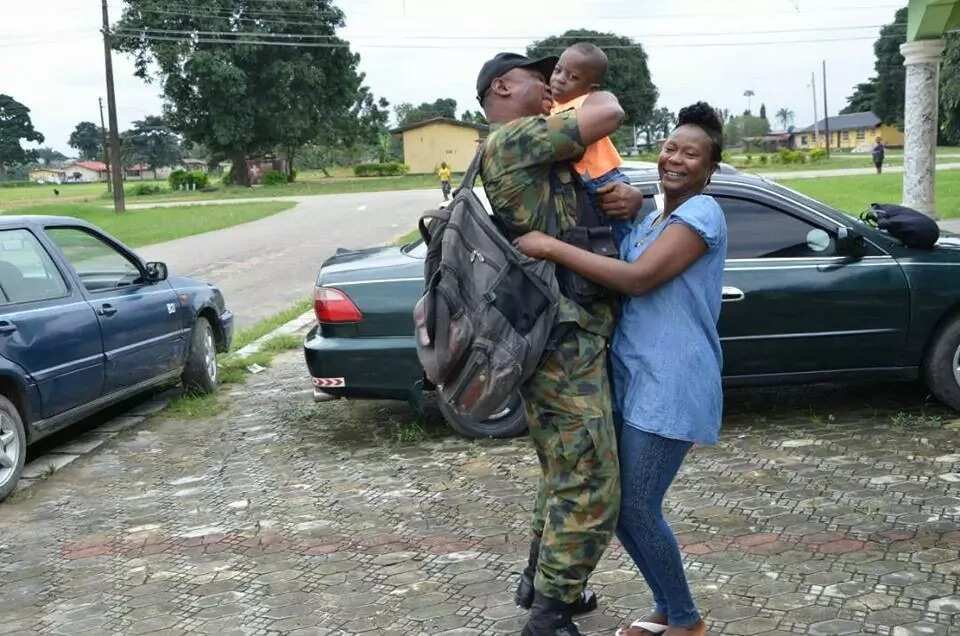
[(568, 399)]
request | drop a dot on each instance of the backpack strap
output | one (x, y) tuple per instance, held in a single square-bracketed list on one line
[(438, 214), (470, 176)]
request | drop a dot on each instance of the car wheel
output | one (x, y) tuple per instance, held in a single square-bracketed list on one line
[(510, 422), (942, 366), (13, 447), (200, 372)]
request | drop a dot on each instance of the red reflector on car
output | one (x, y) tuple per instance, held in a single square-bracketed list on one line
[(333, 306)]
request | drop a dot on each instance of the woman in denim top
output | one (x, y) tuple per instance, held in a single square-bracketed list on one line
[(665, 355)]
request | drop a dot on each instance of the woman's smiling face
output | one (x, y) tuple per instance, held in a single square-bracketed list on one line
[(685, 163)]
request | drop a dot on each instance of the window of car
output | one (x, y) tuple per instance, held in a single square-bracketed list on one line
[(99, 265), (27, 273), (756, 230)]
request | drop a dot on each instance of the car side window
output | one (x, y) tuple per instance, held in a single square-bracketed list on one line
[(27, 273), (756, 230), (98, 264)]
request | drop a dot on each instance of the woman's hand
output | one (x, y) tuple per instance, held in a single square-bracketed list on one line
[(620, 201), (535, 244)]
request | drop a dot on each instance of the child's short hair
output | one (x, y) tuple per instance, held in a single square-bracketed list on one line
[(596, 59)]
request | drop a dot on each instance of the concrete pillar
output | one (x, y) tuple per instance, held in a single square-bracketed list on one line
[(922, 59)]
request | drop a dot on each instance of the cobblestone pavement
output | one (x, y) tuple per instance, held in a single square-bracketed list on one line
[(285, 517)]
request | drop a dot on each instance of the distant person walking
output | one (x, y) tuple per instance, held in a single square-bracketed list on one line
[(444, 174), (879, 152)]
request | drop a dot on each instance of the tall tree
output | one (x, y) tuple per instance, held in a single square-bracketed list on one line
[(15, 126), (87, 138), (47, 155), (884, 93), (749, 95), (950, 92), (225, 88), (151, 141), (763, 111), (862, 98), (785, 117), (474, 118), (407, 113), (659, 124), (628, 76)]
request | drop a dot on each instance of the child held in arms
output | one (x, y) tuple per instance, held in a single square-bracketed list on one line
[(578, 73)]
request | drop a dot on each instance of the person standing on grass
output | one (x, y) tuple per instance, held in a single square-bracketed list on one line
[(444, 173), (878, 155), (666, 356)]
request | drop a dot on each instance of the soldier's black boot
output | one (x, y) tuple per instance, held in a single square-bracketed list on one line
[(550, 617), (524, 595)]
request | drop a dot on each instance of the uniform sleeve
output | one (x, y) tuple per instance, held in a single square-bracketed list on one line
[(704, 216), (557, 137)]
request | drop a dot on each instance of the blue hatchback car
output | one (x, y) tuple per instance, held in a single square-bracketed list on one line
[(84, 323)]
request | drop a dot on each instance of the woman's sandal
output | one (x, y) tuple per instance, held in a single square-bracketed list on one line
[(653, 628)]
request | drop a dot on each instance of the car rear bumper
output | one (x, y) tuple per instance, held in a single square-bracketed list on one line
[(379, 368), (226, 328)]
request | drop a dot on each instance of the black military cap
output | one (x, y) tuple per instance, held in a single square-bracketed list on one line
[(503, 63)]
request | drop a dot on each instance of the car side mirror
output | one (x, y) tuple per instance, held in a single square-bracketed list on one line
[(850, 243), (156, 272)]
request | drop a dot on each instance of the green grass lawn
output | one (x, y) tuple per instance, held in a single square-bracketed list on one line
[(12, 198), (155, 225), (855, 194), (309, 182)]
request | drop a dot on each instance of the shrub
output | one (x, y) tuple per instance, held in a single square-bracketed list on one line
[(274, 177), (145, 189), (817, 155), (292, 176), (184, 180), (749, 160), (380, 169), (763, 160)]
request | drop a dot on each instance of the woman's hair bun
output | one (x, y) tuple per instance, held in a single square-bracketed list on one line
[(704, 116)]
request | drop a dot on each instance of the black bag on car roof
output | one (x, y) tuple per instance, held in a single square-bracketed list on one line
[(914, 229)]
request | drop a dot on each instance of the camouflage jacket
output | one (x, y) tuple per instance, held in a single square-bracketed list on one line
[(516, 166)]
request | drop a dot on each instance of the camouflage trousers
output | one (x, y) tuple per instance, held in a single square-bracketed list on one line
[(578, 497)]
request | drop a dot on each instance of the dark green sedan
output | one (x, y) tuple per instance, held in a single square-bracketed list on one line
[(810, 294)]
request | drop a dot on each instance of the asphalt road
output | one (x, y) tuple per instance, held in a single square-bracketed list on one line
[(265, 266)]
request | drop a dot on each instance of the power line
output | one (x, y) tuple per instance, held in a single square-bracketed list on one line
[(329, 45), (132, 30)]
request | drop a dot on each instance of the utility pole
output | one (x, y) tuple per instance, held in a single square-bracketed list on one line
[(115, 168), (816, 118), (106, 151), (826, 112)]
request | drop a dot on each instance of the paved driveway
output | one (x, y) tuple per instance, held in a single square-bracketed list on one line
[(813, 515), (265, 266)]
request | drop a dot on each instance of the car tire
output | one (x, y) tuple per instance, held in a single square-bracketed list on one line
[(200, 372), (942, 366), (511, 422), (13, 447)]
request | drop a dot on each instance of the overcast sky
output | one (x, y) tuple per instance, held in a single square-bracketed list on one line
[(51, 54)]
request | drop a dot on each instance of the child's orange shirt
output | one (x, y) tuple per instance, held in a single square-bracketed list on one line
[(600, 157)]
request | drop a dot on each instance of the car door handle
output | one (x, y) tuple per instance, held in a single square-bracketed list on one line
[(106, 310), (732, 295), (7, 327)]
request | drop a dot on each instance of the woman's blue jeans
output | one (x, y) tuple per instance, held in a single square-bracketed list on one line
[(648, 465)]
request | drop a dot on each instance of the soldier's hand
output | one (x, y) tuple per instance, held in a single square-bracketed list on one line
[(620, 201)]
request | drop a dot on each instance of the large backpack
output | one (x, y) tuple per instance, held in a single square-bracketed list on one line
[(914, 229), (487, 311)]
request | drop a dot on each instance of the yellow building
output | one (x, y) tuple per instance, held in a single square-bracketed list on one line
[(855, 131), (427, 143)]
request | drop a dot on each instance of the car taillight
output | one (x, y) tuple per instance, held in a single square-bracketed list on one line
[(333, 306)]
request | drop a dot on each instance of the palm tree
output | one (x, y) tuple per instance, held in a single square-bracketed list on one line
[(748, 94), (785, 117)]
